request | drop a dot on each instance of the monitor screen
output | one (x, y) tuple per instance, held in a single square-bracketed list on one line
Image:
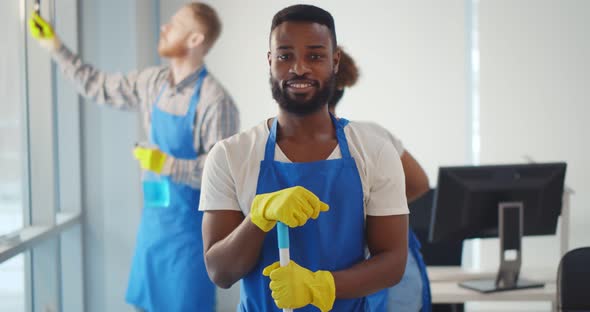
[(467, 198), (448, 252)]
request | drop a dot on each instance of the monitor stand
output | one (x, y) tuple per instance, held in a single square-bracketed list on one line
[(510, 221)]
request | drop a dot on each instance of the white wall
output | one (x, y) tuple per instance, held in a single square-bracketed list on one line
[(534, 100)]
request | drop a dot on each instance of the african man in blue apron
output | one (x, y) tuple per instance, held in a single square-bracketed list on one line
[(312, 184), (308, 248), (168, 272)]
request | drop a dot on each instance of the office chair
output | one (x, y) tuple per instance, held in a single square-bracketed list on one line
[(573, 281), (441, 253)]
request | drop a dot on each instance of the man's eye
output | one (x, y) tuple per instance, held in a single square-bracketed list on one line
[(283, 57), (316, 57)]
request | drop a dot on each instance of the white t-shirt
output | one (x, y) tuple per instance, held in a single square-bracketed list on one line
[(397, 143), (231, 170)]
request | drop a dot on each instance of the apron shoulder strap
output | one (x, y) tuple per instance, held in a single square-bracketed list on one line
[(197, 93), (340, 136), (271, 142)]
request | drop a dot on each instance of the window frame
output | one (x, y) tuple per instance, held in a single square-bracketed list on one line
[(51, 238)]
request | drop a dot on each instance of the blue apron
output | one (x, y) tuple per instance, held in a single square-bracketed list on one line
[(168, 271), (403, 297), (415, 247), (333, 242)]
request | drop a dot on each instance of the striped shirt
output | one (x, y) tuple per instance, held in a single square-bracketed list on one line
[(216, 118)]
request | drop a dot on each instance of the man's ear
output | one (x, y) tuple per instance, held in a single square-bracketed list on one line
[(196, 39), (269, 58), (336, 60)]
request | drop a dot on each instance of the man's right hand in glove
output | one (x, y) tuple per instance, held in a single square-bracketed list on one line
[(292, 206), (43, 32)]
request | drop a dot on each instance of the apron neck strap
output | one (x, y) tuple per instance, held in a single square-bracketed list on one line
[(339, 124), (197, 93), (342, 141), (269, 151)]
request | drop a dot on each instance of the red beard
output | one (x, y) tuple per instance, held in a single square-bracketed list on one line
[(176, 49)]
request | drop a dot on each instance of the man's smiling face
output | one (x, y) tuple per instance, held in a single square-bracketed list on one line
[(303, 64)]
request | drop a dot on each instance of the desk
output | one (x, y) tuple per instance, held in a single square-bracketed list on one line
[(444, 287)]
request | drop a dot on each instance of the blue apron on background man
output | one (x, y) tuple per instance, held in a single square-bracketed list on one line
[(415, 247), (168, 271), (333, 242), (412, 293)]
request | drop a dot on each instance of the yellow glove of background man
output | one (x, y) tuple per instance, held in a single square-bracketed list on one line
[(294, 287), (43, 32), (292, 206), (150, 158)]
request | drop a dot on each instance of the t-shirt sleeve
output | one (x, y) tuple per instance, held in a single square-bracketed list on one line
[(387, 194), (397, 143), (218, 190)]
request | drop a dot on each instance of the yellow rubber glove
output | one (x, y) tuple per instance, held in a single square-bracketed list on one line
[(43, 32), (294, 286), (292, 206), (150, 158)]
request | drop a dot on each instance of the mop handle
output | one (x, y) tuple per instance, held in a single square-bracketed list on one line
[(284, 258)]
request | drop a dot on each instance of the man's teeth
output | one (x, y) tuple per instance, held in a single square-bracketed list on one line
[(300, 85)]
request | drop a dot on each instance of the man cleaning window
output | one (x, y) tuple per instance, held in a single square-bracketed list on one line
[(185, 111)]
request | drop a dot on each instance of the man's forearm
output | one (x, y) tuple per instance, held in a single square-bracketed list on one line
[(388, 244), (116, 90), (380, 271), (232, 257)]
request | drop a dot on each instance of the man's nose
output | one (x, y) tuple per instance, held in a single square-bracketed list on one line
[(299, 68)]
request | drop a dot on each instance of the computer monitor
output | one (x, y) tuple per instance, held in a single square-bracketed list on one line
[(447, 252), (505, 201)]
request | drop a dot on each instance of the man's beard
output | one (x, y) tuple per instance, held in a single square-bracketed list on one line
[(303, 107), (168, 50)]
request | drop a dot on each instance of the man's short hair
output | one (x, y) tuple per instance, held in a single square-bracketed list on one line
[(207, 17), (305, 13)]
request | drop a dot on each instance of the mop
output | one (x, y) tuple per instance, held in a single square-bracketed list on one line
[(284, 258)]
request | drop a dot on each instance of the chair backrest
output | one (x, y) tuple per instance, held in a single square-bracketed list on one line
[(573, 281)]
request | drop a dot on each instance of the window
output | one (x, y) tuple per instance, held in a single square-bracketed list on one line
[(12, 154), (12, 285), (40, 236), (11, 136)]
